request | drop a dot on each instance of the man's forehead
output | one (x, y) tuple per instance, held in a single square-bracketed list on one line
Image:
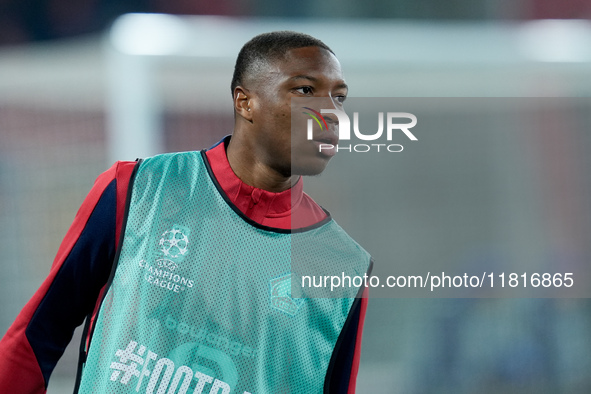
[(312, 63)]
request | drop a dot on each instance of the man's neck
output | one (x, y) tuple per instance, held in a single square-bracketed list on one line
[(252, 171)]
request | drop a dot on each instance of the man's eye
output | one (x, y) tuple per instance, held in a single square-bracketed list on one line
[(340, 99), (304, 90)]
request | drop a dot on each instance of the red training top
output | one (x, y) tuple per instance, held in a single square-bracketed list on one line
[(36, 340)]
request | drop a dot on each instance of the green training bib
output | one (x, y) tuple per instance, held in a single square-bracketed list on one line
[(201, 301)]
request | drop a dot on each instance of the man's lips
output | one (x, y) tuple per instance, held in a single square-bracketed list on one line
[(326, 138), (326, 144)]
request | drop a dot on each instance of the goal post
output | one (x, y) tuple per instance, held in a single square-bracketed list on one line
[(149, 56)]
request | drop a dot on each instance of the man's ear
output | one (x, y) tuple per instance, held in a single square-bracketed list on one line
[(242, 103)]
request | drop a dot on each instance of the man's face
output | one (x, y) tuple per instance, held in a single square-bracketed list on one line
[(302, 73)]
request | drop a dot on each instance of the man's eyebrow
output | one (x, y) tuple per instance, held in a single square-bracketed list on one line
[(314, 79), (308, 77)]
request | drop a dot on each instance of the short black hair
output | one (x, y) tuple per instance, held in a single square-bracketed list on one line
[(266, 47)]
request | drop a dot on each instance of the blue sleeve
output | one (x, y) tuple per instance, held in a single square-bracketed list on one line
[(74, 289), (341, 367)]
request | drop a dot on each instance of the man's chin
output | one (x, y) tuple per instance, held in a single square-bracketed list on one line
[(309, 169)]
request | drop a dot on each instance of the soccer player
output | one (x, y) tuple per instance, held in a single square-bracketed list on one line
[(181, 263)]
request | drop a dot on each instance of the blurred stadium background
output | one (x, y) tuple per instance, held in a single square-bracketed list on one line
[(75, 86)]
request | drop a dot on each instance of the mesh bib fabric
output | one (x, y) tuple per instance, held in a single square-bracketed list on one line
[(200, 301)]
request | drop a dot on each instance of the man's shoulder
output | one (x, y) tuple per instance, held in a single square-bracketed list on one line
[(172, 155), (171, 158), (308, 212), (119, 170)]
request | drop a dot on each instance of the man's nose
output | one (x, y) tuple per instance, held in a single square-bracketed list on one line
[(328, 103), (330, 118)]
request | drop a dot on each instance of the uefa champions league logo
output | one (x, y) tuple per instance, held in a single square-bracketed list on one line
[(163, 271), (173, 243)]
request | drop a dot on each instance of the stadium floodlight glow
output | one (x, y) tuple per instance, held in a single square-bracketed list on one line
[(552, 40), (148, 34)]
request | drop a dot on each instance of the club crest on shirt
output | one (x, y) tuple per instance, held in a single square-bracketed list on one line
[(281, 298)]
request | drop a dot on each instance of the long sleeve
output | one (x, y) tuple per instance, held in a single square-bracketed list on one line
[(342, 373), (36, 340)]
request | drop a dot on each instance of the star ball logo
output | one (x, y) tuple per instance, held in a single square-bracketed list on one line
[(174, 243), (163, 271), (344, 130)]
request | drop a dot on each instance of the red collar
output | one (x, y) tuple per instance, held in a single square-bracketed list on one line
[(257, 204)]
